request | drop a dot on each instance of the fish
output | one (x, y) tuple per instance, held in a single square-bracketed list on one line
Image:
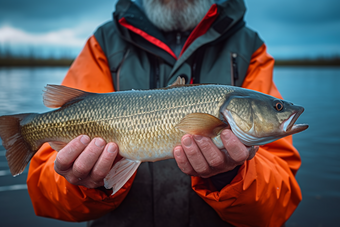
[(146, 124)]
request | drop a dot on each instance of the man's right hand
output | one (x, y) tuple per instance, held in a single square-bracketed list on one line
[(85, 162)]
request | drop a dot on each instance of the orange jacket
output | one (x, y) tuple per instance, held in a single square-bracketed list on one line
[(264, 189)]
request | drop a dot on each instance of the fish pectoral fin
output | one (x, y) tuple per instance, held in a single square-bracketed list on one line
[(201, 124), (120, 173), (57, 145), (56, 96)]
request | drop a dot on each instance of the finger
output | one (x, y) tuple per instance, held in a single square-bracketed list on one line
[(183, 162), (86, 160), (104, 163), (70, 152), (236, 150), (211, 153), (252, 151), (194, 155)]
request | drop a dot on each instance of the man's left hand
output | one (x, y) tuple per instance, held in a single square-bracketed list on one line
[(199, 156)]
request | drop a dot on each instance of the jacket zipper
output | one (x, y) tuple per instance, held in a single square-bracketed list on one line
[(234, 71), (157, 73), (197, 65), (178, 38), (154, 72), (119, 67)]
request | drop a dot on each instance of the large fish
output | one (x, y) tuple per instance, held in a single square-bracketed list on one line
[(146, 124)]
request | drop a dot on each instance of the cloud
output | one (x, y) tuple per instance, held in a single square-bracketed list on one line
[(42, 16), (293, 28), (289, 28), (59, 43), (63, 37)]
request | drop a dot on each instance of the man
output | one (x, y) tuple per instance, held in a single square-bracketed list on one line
[(148, 44)]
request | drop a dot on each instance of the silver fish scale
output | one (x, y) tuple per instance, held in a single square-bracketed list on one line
[(142, 123)]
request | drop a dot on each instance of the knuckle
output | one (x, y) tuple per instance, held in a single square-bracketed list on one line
[(59, 160), (188, 171), (239, 155), (181, 162), (185, 167), (202, 170), (205, 146), (108, 158), (72, 179), (240, 158), (58, 170), (93, 150), (205, 175), (99, 174), (216, 162), (80, 170), (91, 185), (191, 152)]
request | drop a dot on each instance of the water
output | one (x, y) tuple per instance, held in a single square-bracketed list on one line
[(21, 92), (319, 176), (316, 89)]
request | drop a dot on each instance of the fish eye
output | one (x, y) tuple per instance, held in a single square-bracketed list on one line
[(278, 106)]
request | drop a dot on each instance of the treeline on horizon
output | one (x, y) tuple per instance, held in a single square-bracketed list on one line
[(66, 61)]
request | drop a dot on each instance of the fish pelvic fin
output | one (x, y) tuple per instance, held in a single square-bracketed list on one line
[(120, 173), (19, 152), (56, 96), (201, 124)]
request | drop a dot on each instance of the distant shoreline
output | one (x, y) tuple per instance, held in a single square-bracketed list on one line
[(66, 62), (35, 62), (309, 62)]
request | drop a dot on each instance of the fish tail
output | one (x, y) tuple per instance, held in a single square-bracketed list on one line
[(19, 151)]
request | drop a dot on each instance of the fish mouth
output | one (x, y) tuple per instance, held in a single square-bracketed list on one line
[(289, 126)]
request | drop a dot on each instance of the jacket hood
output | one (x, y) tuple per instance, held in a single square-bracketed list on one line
[(223, 18), (233, 9)]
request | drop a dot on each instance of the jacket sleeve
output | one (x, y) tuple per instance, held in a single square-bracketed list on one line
[(51, 194), (264, 192)]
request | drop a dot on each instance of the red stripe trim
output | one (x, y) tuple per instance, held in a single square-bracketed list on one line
[(202, 27), (146, 36)]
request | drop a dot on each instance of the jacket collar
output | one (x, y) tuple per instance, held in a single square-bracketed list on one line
[(134, 26)]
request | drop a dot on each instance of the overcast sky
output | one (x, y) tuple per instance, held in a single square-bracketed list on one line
[(290, 28)]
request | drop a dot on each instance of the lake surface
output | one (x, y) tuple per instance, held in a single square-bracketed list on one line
[(316, 89)]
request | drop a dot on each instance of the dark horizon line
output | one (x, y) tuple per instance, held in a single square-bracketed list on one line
[(66, 62)]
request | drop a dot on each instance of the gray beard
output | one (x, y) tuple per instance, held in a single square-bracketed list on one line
[(176, 15)]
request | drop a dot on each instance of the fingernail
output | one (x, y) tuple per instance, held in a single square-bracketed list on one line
[(85, 140), (177, 152), (111, 148), (187, 141), (197, 137), (99, 142)]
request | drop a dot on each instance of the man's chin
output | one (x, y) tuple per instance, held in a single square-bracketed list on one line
[(176, 15)]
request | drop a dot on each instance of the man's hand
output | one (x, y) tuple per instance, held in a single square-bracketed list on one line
[(85, 162), (198, 156)]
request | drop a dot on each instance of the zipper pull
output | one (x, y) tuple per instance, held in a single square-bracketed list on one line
[(178, 38), (234, 72)]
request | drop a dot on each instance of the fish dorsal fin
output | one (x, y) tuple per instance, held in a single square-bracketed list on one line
[(201, 124), (56, 96), (179, 81)]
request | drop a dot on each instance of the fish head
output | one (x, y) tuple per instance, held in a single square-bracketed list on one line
[(257, 119)]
